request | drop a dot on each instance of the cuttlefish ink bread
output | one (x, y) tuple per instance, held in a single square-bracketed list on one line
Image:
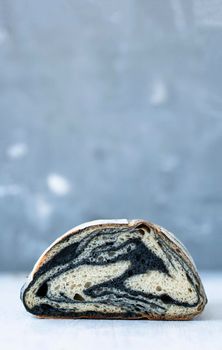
[(115, 269)]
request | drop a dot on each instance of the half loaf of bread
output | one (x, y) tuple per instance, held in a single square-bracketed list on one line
[(127, 269)]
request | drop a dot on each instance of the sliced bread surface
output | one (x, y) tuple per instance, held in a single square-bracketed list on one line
[(127, 269)]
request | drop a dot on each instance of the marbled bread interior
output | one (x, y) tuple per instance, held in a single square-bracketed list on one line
[(115, 269)]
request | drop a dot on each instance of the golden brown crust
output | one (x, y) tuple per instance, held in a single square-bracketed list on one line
[(145, 317)]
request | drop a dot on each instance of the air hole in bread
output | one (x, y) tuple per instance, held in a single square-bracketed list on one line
[(188, 277), (78, 297), (143, 227), (87, 285), (42, 291), (166, 298), (159, 244)]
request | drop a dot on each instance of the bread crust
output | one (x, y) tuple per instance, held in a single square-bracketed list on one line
[(116, 317)]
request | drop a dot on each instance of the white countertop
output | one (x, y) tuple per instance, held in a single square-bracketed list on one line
[(20, 330)]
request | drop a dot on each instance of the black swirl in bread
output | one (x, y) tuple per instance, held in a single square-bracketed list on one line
[(128, 269)]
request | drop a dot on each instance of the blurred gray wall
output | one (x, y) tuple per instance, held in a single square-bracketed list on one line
[(110, 109)]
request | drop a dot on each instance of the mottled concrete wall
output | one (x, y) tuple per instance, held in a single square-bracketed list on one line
[(110, 109)]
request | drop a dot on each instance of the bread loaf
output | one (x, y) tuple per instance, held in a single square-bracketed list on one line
[(127, 269)]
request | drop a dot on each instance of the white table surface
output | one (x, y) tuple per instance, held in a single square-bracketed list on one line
[(20, 330)]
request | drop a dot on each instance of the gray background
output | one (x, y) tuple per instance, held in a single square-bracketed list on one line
[(110, 109)]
